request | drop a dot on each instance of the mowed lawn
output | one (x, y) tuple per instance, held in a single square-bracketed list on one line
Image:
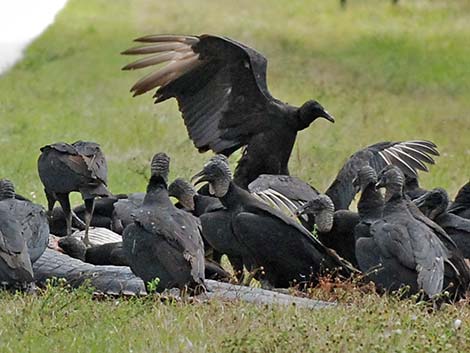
[(386, 73)]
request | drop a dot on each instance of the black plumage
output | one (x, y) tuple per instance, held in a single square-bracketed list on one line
[(164, 242), (286, 193), (221, 89), (334, 229), (434, 205), (113, 254), (123, 210), (104, 254), (15, 263), (369, 207), (102, 215), (409, 156), (64, 168), (403, 250), (215, 226), (31, 217), (191, 201), (264, 237), (461, 204)]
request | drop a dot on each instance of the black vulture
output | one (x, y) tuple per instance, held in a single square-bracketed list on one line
[(221, 89), (265, 238), (191, 200), (15, 264), (103, 254), (461, 204), (410, 156), (405, 251), (102, 215), (434, 205), (370, 205), (334, 229), (216, 226), (123, 209), (113, 254), (64, 168), (31, 217), (164, 242)]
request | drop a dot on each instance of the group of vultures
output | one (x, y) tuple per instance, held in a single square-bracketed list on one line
[(272, 227)]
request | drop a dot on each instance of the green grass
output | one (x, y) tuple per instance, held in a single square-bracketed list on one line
[(59, 321), (385, 72)]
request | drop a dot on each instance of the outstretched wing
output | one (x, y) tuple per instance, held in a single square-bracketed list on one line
[(409, 156), (220, 86)]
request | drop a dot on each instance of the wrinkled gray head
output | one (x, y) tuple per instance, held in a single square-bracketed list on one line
[(323, 209), (319, 204), (392, 179), (433, 203), (160, 165), (217, 173), (365, 177), (310, 111), (7, 189), (390, 175), (184, 192)]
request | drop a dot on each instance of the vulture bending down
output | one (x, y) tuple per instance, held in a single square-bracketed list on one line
[(334, 229), (221, 89), (266, 239), (434, 205), (64, 168)]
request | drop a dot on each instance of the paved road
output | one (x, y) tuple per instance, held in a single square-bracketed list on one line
[(20, 22)]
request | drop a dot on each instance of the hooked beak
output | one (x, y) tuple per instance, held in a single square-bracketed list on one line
[(328, 116), (420, 201), (199, 178)]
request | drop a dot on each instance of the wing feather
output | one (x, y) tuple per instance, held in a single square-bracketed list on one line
[(409, 156), (218, 83)]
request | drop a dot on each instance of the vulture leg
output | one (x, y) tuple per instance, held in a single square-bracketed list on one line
[(51, 199), (77, 221), (65, 204), (89, 207)]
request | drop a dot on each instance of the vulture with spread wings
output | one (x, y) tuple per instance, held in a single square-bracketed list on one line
[(221, 89), (289, 193)]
